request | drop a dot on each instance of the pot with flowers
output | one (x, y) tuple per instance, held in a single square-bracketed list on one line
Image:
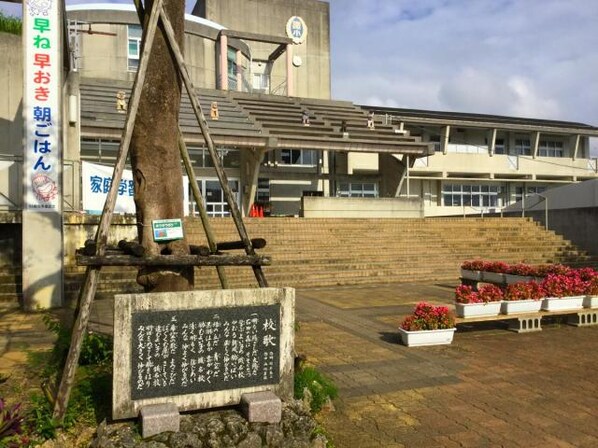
[(472, 270), (523, 297), (563, 291), (494, 272), (428, 325), (590, 277), (484, 302)]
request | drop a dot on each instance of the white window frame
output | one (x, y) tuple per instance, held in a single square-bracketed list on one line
[(133, 56), (299, 156), (357, 190)]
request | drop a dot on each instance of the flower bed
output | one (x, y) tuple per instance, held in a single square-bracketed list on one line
[(523, 297), (484, 302)]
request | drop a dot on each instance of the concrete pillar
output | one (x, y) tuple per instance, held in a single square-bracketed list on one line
[(223, 62), (239, 60), (253, 164), (535, 143), (290, 83), (444, 139), (491, 141), (574, 145)]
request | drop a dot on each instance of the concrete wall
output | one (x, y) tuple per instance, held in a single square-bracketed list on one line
[(106, 55), (317, 207), (578, 225), (312, 78)]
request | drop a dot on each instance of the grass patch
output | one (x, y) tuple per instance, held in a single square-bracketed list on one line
[(320, 387)]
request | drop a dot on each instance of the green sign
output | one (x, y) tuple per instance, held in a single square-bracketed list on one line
[(167, 229)]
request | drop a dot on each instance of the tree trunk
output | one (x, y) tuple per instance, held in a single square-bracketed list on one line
[(155, 158)]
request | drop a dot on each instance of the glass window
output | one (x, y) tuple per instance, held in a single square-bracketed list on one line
[(436, 140), (457, 195), (549, 148), (134, 47), (298, 157), (523, 147), (357, 190), (499, 146)]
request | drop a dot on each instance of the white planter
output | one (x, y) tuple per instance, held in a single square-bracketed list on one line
[(520, 306), (493, 277), (512, 278), (477, 309), (590, 302), (471, 275), (562, 303), (427, 337)]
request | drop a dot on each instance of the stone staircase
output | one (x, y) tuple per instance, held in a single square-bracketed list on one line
[(329, 252)]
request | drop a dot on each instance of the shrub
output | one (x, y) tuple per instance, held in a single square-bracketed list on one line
[(9, 24), (524, 291), (11, 421), (428, 317)]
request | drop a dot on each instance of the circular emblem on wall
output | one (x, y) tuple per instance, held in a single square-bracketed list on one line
[(297, 29)]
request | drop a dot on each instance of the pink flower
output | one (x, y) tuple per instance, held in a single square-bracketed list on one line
[(428, 317)]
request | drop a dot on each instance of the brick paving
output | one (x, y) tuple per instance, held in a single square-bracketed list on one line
[(490, 388)]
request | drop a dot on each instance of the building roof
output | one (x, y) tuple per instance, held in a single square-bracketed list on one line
[(256, 121), (484, 121)]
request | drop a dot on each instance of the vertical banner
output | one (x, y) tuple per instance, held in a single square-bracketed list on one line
[(42, 109)]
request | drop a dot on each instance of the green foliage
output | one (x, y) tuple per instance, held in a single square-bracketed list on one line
[(96, 348), (9, 24), (89, 403), (320, 387), (320, 430), (90, 396)]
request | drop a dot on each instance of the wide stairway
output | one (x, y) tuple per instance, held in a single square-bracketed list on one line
[(328, 252)]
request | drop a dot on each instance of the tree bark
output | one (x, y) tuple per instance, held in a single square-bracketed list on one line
[(155, 157)]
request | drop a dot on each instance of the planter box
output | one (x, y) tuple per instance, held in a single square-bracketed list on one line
[(512, 278), (471, 275), (562, 303), (590, 302), (477, 309), (427, 337), (520, 306), (493, 277)]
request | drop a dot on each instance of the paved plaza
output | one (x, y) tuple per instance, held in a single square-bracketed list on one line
[(490, 388)]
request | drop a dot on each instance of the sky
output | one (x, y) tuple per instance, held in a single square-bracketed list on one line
[(529, 58)]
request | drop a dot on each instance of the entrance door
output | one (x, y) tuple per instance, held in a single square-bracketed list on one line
[(213, 195)]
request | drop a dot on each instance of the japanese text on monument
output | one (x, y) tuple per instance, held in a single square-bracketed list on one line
[(201, 350)]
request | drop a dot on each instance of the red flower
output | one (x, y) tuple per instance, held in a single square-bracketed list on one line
[(428, 317), (524, 291)]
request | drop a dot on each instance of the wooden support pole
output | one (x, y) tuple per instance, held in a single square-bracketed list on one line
[(92, 274), (201, 206), (174, 260), (232, 204)]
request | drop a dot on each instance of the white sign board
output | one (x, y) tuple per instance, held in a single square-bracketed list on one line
[(167, 229), (97, 179), (42, 106)]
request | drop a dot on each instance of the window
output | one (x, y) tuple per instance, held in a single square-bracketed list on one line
[(357, 190), (262, 194), (550, 148), (499, 146), (530, 191), (436, 140), (134, 47), (523, 147), (201, 158), (298, 157), (457, 195), (216, 205), (232, 68)]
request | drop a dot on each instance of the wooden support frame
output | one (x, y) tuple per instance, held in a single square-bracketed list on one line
[(92, 273)]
